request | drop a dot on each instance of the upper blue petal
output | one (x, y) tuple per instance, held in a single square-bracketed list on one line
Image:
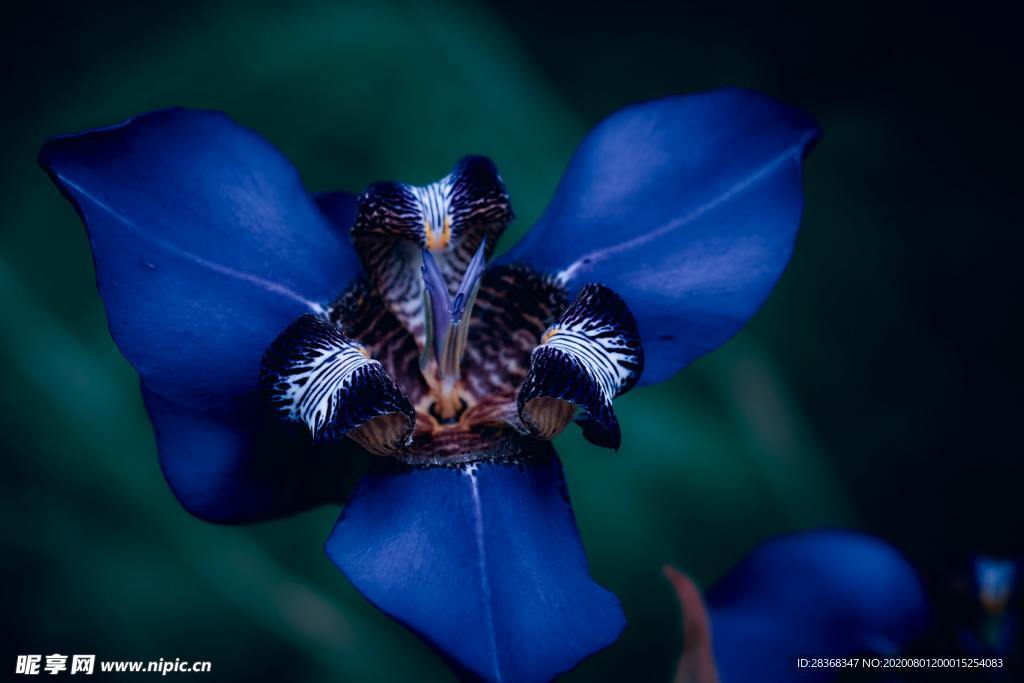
[(821, 594), (206, 246), (688, 208), (484, 562)]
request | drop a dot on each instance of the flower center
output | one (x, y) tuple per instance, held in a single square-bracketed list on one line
[(447, 329)]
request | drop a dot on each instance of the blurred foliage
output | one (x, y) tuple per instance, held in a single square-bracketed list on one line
[(876, 373)]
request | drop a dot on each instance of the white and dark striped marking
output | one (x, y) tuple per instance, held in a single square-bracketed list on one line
[(314, 374), (590, 355)]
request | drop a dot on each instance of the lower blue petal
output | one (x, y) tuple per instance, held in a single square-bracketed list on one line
[(484, 562), (241, 464), (821, 594), (688, 208)]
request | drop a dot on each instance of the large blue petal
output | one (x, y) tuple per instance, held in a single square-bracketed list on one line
[(820, 594), (484, 562), (688, 208), (243, 464), (206, 246), (340, 209)]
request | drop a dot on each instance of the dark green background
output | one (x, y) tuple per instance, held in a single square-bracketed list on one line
[(878, 388)]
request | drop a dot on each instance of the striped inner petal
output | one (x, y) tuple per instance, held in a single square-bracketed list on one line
[(360, 314), (314, 374), (590, 355), (513, 308), (450, 218)]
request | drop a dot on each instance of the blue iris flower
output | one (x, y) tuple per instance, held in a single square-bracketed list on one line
[(277, 333), (821, 594)]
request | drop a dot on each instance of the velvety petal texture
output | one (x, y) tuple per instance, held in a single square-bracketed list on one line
[(820, 594), (206, 246), (688, 208), (483, 561), (339, 208), (244, 464)]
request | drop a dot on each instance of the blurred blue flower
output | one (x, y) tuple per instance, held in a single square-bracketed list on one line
[(993, 631), (825, 594), (996, 579), (275, 332)]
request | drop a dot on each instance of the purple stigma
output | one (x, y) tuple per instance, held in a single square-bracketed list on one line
[(449, 316)]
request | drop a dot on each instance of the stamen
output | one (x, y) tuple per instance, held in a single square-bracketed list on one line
[(448, 327)]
